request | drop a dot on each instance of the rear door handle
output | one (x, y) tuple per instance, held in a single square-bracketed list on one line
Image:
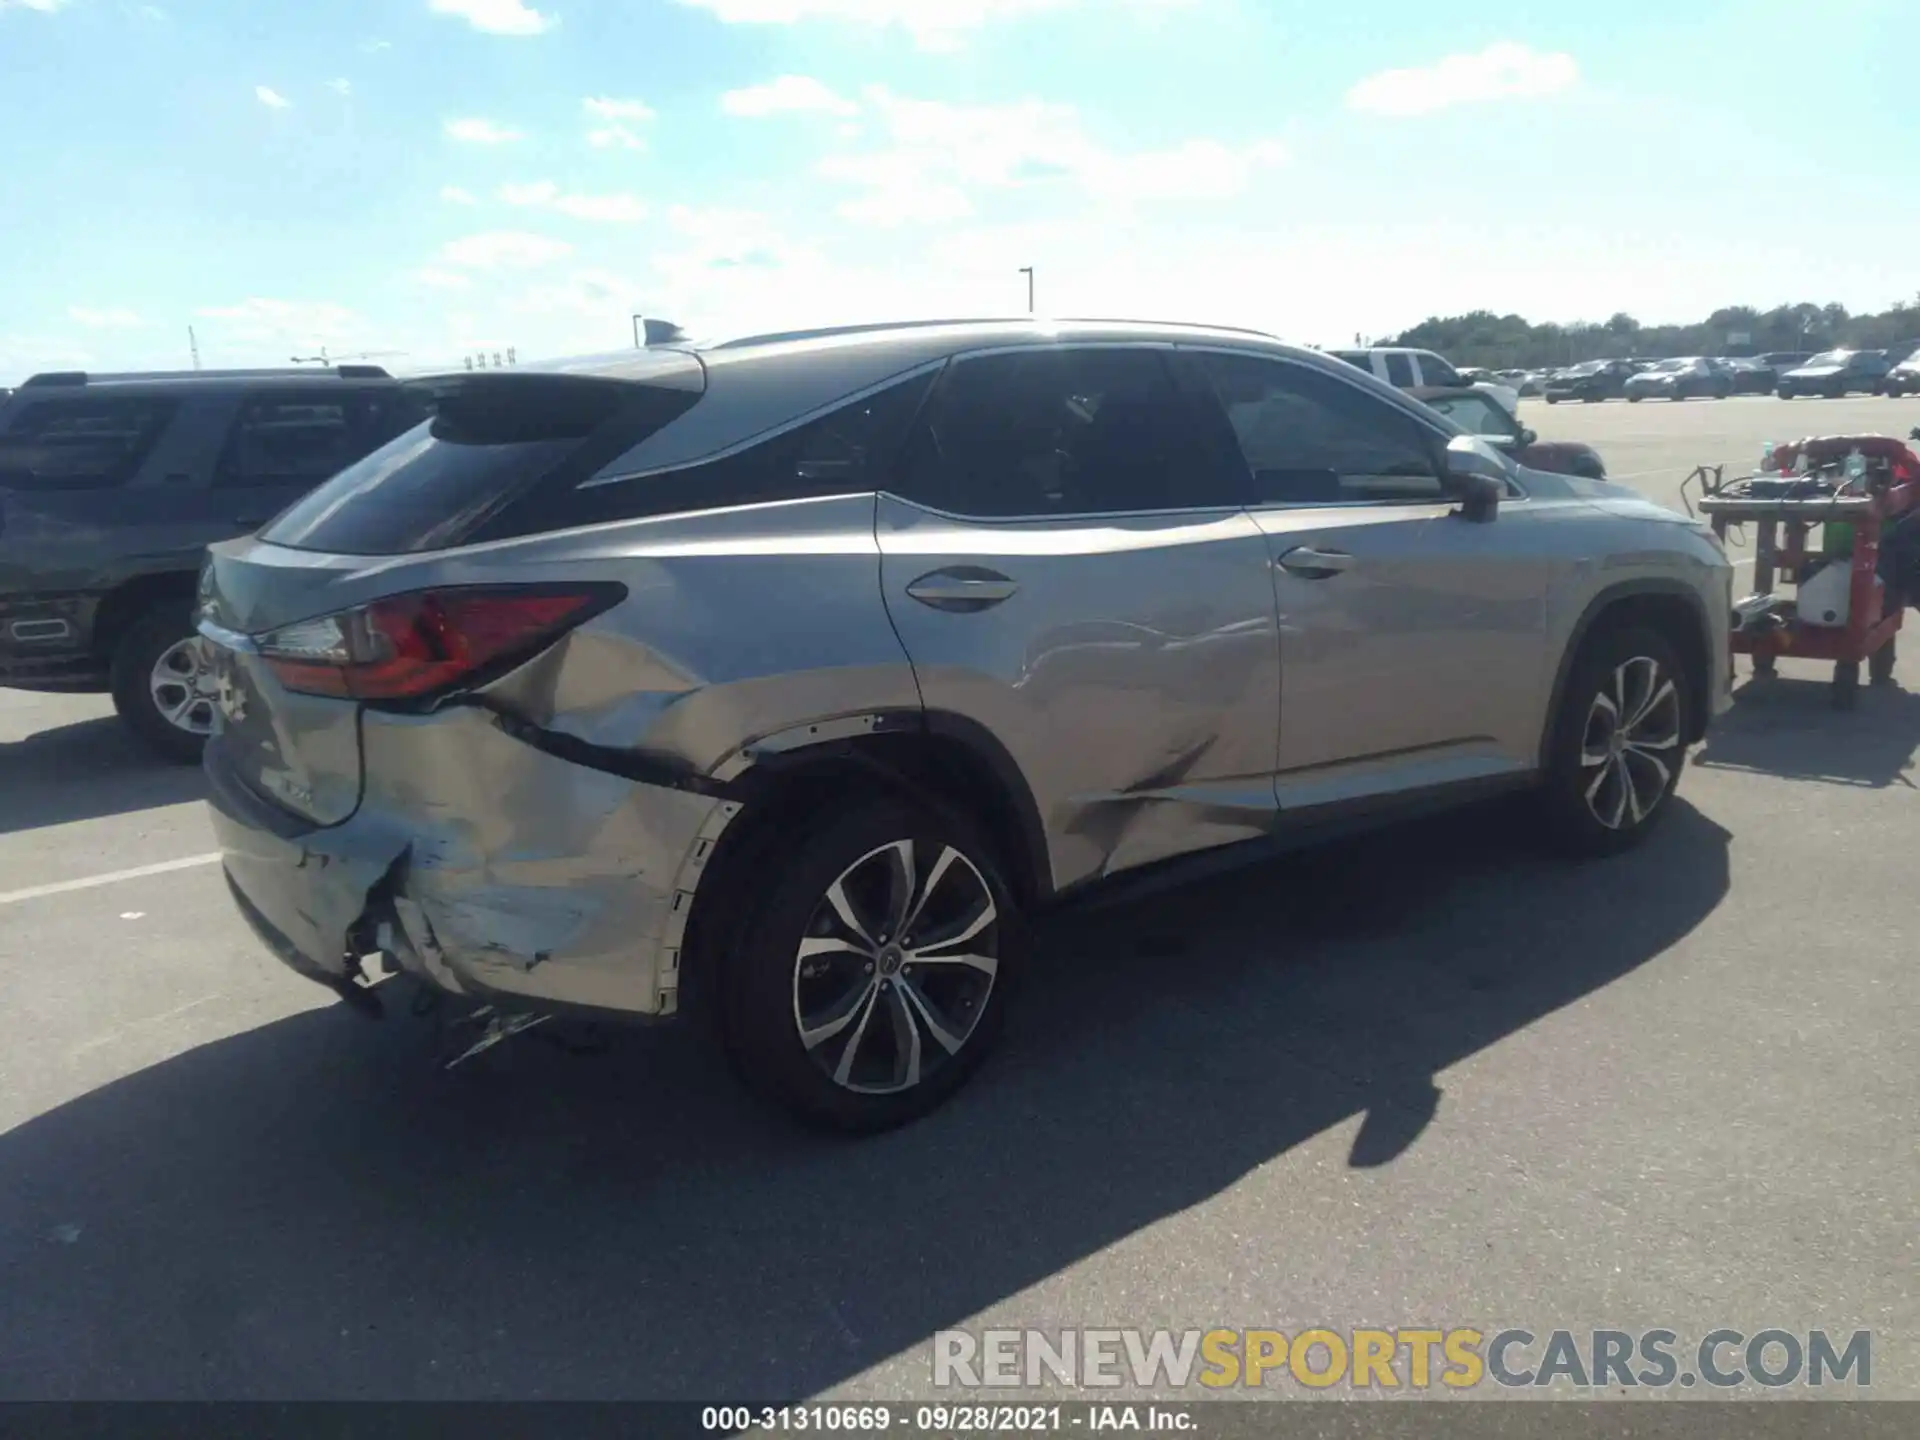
[(1311, 564), (962, 588)]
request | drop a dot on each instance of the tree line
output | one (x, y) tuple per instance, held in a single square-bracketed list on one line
[(1502, 342)]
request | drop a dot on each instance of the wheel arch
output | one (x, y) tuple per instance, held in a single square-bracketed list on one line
[(946, 762), (1671, 606), (128, 601)]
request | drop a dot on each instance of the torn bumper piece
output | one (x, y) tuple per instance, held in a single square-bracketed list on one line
[(479, 864)]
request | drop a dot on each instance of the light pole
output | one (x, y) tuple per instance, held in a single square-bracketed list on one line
[(636, 334), (1027, 270)]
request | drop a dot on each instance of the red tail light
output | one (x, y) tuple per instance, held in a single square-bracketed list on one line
[(407, 647)]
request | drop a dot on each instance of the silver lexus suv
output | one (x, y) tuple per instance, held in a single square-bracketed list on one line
[(777, 680)]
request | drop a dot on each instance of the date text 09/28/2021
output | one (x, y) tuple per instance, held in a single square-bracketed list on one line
[(948, 1419)]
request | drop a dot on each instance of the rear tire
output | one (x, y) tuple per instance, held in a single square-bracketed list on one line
[(851, 1026), (138, 685), (1618, 743)]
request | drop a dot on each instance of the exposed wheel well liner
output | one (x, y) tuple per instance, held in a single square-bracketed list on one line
[(1668, 606), (940, 760), (126, 603)]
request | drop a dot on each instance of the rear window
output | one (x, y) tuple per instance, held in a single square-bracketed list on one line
[(83, 443), (492, 440)]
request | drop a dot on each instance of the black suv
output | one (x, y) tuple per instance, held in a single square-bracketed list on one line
[(112, 486), (1595, 380)]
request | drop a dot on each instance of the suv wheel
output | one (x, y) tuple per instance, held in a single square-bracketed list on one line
[(161, 685), (1618, 744), (869, 984)]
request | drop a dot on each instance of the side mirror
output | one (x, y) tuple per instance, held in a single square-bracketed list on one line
[(1477, 475), (1526, 436)]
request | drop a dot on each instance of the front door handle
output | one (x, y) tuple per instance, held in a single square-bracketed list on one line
[(962, 588), (1311, 564)]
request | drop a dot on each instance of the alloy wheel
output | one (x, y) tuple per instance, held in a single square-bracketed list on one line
[(183, 687), (895, 967), (1632, 733)]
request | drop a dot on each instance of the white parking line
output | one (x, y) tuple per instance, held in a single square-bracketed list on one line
[(139, 872)]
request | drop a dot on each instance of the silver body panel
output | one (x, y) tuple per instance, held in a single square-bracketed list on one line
[(1162, 683)]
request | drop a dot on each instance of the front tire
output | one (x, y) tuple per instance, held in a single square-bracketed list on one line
[(161, 687), (869, 986), (1619, 743)]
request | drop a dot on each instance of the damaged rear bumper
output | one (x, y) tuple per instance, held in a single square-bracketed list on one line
[(479, 864)]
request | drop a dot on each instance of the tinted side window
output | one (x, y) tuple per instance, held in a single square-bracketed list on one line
[(1310, 438), (294, 438), (1475, 414), (845, 452), (1060, 432), (1400, 371), (1438, 371), (79, 444)]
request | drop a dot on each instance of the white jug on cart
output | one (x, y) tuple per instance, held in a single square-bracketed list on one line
[(1827, 597)]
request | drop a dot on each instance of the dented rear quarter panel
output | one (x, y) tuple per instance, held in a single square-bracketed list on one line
[(513, 872)]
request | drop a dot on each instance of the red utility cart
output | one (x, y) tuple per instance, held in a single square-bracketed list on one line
[(1783, 521)]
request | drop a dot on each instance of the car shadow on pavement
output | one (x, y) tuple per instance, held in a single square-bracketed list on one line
[(1787, 727), (308, 1210), (83, 771)]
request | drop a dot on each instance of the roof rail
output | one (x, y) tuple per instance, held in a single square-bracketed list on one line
[(829, 332), (284, 372), (1172, 324), (833, 331)]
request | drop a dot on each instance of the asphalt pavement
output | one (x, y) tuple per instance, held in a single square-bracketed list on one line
[(1425, 1078)]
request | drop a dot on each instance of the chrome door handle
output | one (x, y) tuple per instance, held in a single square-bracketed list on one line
[(963, 588), (1311, 564)]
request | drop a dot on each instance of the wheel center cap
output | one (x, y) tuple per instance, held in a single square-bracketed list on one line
[(890, 959), (1617, 744)]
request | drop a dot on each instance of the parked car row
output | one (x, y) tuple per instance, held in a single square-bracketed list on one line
[(1784, 373)]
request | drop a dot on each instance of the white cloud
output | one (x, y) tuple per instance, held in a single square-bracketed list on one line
[(606, 109), (595, 294), (342, 88), (270, 98), (302, 320), (497, 17), (940, 154), (45, 7), (544, 194), (615, 209), (790, 94), (622, 116), (437, 279), (615, 137), (1506, 71), (1196, 170), (103, 319), (934, 24), (454, 195), (504, 250), (717, 238), (473, 131)]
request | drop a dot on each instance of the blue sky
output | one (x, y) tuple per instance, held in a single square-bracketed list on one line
[(437, 176)]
